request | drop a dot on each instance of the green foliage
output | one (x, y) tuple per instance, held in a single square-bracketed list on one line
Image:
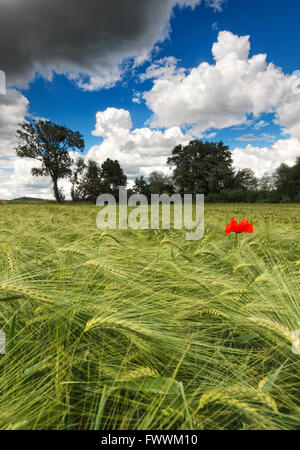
[(245, 180), (96, 179), (89, 187), (144, 330), (112, 177), (206, 167), (49, 144), (78, 170), (141, 186), (157, 183), (287, 182), (202, 167), (160, 183)]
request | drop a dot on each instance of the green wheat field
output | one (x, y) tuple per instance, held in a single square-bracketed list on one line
[(127, 330)]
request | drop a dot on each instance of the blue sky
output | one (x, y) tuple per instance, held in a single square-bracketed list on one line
[(242, 123), (273, 27)]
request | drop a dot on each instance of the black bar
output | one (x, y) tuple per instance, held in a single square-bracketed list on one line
[(90, 440)]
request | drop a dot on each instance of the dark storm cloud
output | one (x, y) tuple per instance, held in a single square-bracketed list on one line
[(80, 37)]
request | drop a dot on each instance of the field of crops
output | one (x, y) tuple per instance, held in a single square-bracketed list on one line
[(145, 330)]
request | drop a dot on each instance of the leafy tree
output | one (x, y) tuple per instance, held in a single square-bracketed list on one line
[(112, 176), (266, 189), (141, 186), (246, 180), (78, 170), (296, 180), (202, 167), (90, 185), (266, 184), (96, 179), (49, 144), (159, 183), (287, 181), (284, 183)]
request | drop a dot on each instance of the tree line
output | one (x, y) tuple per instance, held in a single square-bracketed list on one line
[(199, 167)]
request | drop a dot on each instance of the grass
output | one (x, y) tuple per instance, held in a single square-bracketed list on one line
[(145, 330)]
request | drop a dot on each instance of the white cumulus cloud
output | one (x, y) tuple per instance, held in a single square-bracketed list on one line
[(227, 93), (139, 150), (264, 160), (223, 94), (234, 91)]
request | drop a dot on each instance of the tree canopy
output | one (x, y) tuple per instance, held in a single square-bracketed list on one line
[(112, 176), (49, 143), (95, 179), (207, 168), (287, 182), (202, 167), (198, 168)]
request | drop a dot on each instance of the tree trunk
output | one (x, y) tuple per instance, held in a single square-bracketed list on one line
[(56, 191)]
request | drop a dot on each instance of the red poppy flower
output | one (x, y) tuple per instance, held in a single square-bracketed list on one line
[(243, 227)]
